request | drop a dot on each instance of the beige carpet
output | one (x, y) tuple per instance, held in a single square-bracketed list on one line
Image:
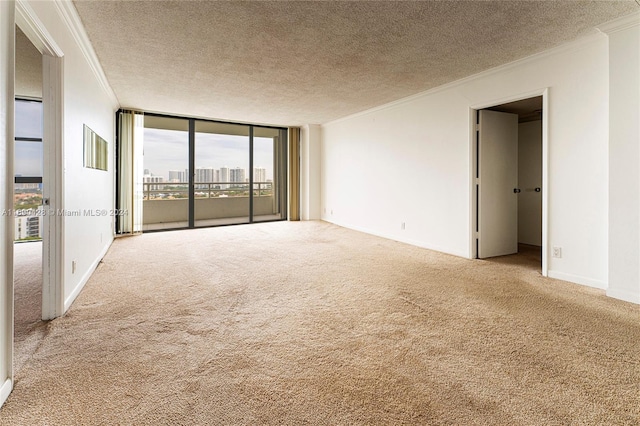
[(309, 323), (29, 329)]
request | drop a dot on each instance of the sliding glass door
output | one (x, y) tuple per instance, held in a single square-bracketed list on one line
[(269, 174), (206, 173), (221, 174), (166, 173)]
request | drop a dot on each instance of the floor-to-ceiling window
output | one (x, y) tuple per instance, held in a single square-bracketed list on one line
[(28, 166), (222, 159), (206, 173), (165, 180), (269, 173)]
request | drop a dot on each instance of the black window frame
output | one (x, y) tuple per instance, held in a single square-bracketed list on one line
[(191, 133)]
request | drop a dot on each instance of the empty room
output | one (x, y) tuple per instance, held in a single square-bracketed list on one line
[(338, 212)]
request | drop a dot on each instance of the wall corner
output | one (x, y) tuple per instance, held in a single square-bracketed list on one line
[(310, 172)]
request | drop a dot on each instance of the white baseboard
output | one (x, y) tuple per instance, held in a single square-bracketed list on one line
[(577, 279), (76, 291), (5, 390), (627, 296), (396, 238)]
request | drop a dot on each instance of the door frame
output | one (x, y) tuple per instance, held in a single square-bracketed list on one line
[(53, 171), (7, 108), (474, 163)]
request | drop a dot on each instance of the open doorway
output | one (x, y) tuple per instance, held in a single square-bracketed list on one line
[(509, 180), (51, 78), (28, 200)]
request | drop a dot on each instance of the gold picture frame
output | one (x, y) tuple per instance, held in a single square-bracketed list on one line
[(96, 150)]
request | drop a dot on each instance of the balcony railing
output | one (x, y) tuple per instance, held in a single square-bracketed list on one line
[(180, 190), (166, 204)]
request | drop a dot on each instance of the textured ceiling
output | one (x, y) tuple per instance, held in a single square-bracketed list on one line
[(290, 63)]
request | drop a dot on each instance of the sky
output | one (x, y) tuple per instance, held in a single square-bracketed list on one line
[(28, 155), (166, 150)]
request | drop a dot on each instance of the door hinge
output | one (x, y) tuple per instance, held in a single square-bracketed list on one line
[(477, 127)]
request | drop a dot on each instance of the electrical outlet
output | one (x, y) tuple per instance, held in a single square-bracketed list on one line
[(73, 266), (402, 226), (331, 212), (557, 252)]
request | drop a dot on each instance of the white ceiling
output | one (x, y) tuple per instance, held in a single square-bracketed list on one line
[(290, 63)]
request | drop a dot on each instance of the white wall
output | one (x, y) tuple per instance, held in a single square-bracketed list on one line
[(410, 161), (624, 163), (529, 178), (86, 237)]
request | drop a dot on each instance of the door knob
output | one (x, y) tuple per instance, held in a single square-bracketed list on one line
[(516, 190), (538, 190)]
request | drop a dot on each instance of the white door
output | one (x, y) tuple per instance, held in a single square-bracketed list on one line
[(498, 172)]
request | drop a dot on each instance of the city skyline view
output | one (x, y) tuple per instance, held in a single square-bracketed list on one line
[(167, 150), (164, 150)]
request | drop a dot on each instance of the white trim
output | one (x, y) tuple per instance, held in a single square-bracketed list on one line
[(620, 24), (472, 184), (409, 241), (70, 16), (545, 182), (508, 99), (53, 189), (577, 279), (76, 291), (35, 31), (572, 45), (53, 173), (7, 115), (5, 390), (627, 296)]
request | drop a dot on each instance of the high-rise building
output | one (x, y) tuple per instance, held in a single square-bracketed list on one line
[(237, 175), (176, 176), (27, 186), (224, 176), (204, 174), (259, 174), (153, 179), (28, 227)]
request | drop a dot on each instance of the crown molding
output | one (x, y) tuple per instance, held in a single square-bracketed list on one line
[(620, 24), (28, 21), (566, 47), (70, 16)]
